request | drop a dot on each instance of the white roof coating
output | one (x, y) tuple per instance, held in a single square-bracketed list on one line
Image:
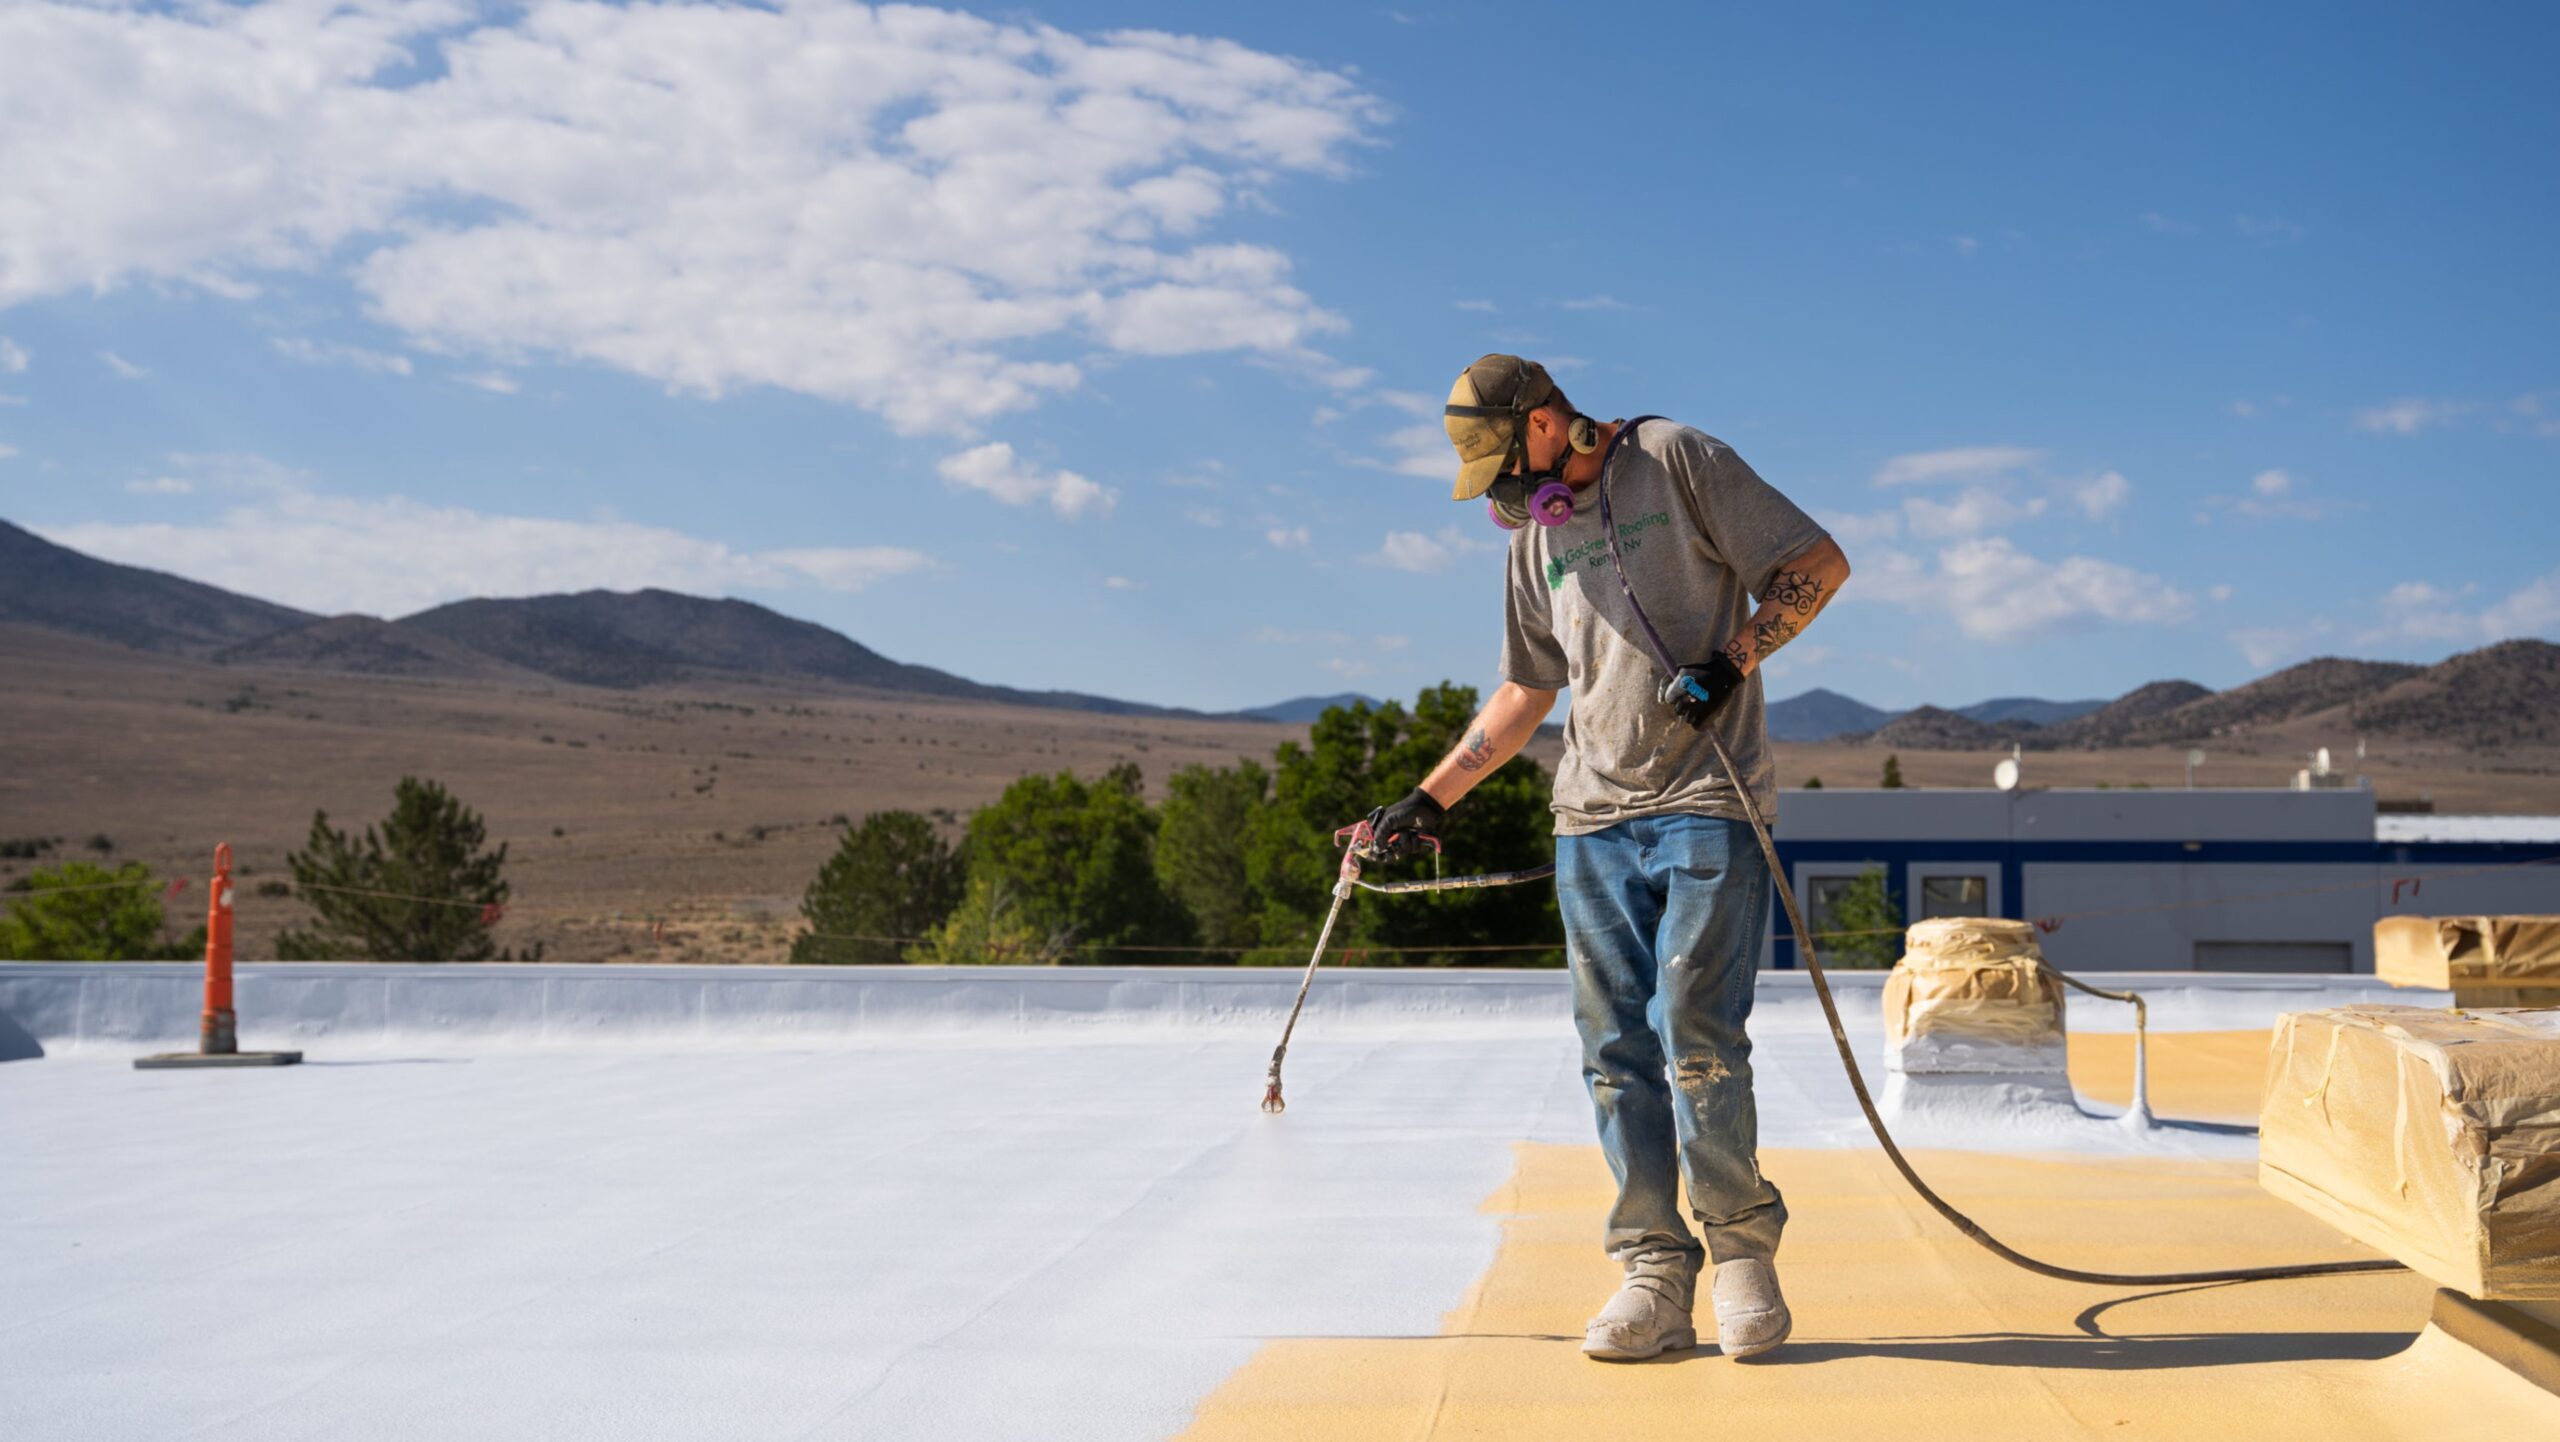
[(2512, 829), (1043, 1233)]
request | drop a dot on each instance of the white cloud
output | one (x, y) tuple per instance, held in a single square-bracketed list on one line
[(2103, 495), (1119, 583), (390, 556), (2266, 647), (2424, 612), (162, 486), (10, 400), (496, 383), (1964, 244), (918, 212), (1963, 463), (1853, 530), (7, 451), (2407, 415), (1209, 516), (2270, 229), (994, 469), (1349, 669), (1423, 555), (1975, 509), (333, 353), (2159, 224), (2278, 494), (1288, 538), (1595, 302), (2245, 410), (2218, 594), (122, 367), (1482, 307), (1996, 592), (14, 358)]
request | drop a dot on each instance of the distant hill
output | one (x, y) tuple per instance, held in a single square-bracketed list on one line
[(42, 584), (369, 646), (1819, 715), (2032, 710), (2110, 724), (2293, 692), (628, 639), (1299, 709), (1928, 728), (2502, 695)]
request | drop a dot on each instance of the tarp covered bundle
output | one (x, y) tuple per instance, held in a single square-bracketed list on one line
[(1972, 995), (2431, 1135), (2482, 960)]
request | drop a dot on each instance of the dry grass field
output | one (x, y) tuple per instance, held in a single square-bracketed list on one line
[(707, 811)]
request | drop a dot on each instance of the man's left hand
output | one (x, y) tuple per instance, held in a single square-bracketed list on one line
[(1702, 690)]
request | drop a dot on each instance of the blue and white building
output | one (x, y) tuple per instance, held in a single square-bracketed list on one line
[(2207, 880)]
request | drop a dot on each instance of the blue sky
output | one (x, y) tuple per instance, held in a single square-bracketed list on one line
[(2115, 345)]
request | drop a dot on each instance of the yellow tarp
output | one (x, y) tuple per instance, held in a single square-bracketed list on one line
[(2432, 1135), (1972, 994), (2483, 960)]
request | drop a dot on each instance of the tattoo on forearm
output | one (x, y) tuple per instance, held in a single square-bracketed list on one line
[(1737, 653), (1769, 635), (1798, 591), (1477, 753)]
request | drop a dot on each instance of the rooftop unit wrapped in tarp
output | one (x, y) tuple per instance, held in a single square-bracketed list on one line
[(2482, 960), (1972, 994), (2432, 1135)]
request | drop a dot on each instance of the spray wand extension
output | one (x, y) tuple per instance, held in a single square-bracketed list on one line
[(1359, 840)]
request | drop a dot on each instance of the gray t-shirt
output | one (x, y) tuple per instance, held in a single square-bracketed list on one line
[(1702, 535)]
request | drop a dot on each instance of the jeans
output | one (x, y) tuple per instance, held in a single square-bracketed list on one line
[(1663, 919)]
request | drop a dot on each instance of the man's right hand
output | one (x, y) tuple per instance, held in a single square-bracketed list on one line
[(1407, 828)]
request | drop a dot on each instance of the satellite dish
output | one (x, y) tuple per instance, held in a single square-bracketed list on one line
[(2005, 775), (2195, 757)]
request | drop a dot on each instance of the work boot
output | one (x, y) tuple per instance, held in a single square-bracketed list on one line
[(1648, 1317), (1751, 1317)]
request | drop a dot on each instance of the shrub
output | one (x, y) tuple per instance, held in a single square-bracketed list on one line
[(83, 912)]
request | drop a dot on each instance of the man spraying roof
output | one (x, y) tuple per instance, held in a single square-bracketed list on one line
[(1637, 551)]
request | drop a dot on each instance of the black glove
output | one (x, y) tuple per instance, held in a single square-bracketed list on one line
[(1700, 691), (1408, 828)]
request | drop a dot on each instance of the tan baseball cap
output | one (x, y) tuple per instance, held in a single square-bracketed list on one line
[(1484, 415)]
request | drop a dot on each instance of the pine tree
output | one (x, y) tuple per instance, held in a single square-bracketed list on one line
[(1892, 773), (416, 888), (893, 875)]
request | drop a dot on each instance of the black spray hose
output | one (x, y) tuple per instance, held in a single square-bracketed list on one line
[(1902, 1164)]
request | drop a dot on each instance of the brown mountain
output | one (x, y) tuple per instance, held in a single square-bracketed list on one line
[(1929, 728), (2502, 695), (42, 584), (627, 639), (2289, 693), (2112, 723), (369, 646)]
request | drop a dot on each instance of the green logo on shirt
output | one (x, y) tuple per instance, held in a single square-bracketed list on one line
[(1591, 553)]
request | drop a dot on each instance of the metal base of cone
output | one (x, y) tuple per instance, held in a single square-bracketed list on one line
[(173, 1060)]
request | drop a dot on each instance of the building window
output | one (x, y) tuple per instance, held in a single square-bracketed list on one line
[(1954, 896)]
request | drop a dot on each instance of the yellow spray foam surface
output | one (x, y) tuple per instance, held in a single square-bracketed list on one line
[(2201, 1075), (1905, 1330)]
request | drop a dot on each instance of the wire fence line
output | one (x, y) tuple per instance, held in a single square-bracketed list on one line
[(492, 913)]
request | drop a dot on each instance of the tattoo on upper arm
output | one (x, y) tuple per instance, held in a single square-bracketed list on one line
[(1769, 635), (1477, 753), (1798, 591)]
